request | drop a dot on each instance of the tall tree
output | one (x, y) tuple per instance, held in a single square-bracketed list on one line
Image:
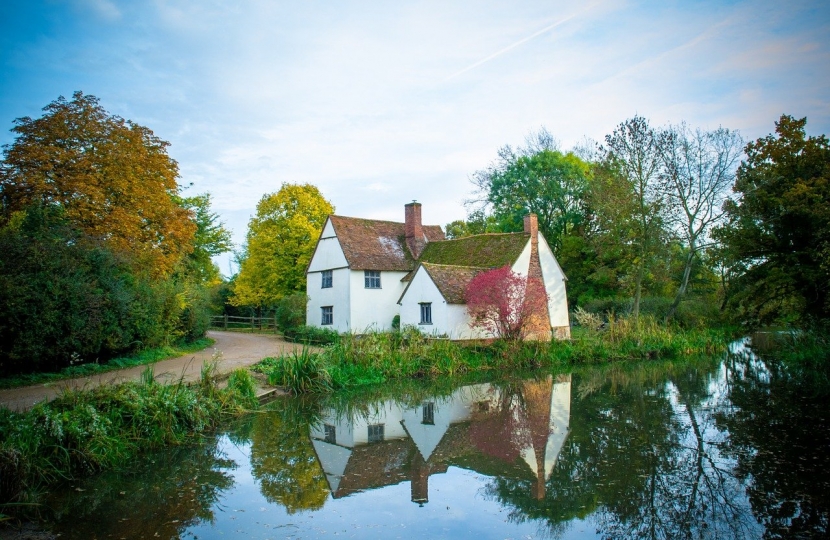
[(280, 242), (536, 179), (633, 152), (777, 238), (211, 238), (698, 170), (112, 178)]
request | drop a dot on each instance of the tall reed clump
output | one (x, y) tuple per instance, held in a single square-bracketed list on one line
[(627, 338), (301, 372), (84, 431)]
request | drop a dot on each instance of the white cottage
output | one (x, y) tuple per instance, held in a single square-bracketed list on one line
[(434, 298), (353, 280), (365, 272)]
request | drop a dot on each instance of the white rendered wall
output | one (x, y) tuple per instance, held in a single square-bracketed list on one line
[(328, 256), (374, 309), (336, 296), (554, 284), (449, 320), (522, 264)]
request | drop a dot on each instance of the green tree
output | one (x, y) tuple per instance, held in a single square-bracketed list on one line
[(211, 238), (777, 238), (280, 243), (536, 179), (633, 160), (112, 178)]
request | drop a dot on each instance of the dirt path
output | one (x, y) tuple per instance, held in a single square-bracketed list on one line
[(237, 350)]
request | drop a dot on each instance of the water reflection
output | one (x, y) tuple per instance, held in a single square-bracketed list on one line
[(735, 448), (523, 426)]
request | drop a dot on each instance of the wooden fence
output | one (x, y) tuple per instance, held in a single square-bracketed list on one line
[(233, 322)]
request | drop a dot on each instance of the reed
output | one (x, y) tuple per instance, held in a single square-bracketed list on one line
[(84, 431), (361, 360)]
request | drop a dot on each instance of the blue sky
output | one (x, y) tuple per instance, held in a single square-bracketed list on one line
[(380, 103)]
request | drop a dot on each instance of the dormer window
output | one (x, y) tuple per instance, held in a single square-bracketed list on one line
[(371, 279)]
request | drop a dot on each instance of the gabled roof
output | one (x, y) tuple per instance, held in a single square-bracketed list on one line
[(451, 280), (481, 250), (371, 244)]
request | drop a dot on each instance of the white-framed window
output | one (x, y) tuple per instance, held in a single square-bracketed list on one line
[(371, 279), (330, 433), (428, 413), (426, 312), (326, 284), (327, 315), (375, 433)]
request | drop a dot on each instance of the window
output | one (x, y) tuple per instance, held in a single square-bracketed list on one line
[(326, 279), (426, 313), (331, 434), (328, 315), (429, 413), (372, 279), (375, 433)]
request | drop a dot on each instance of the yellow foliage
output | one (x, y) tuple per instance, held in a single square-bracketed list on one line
[(281, 239), (112, 178)]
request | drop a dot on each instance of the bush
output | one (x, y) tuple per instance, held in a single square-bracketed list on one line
[(291, 311), (311, 335)]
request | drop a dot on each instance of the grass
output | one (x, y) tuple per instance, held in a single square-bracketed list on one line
[(82, 432), (148, 356), (356, 361)]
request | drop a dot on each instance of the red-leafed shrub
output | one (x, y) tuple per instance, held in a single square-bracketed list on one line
[(506, 304)]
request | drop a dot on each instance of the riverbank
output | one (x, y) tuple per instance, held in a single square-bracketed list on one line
[(355, 361), (86, 431)]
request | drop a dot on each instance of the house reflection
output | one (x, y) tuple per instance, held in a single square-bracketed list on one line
[(515, 430)]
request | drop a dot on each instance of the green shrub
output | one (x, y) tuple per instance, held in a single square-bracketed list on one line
[(291, 310), (311, 335)]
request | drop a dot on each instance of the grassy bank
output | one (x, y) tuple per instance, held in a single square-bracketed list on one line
[(147, 356), (82, 432), (354, 361)]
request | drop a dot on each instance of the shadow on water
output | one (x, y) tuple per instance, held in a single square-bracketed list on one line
[(721, 448)]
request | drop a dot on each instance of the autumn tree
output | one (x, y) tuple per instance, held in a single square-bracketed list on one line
[(777, 237), (507, 305), (112, 178), (280, 242)]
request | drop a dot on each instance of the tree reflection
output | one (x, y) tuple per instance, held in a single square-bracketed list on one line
[(160, 496), (642, 459), (283, 460), (779, 433)]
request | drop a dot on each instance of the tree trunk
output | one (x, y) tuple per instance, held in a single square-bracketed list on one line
[(684, 283), (638, 291)]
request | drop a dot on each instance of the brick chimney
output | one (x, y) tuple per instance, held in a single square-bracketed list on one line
[(539, 328), (415, 239), (532, 227)]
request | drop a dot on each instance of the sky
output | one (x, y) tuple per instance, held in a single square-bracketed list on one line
[(381, 103)]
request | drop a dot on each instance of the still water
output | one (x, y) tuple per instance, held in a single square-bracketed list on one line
[(723, 448)]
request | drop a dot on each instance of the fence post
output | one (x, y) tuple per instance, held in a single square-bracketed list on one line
[(252, 323), (226, 321)]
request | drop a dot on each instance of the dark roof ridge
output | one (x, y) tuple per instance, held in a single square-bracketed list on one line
[(424, 263), (484, 234)]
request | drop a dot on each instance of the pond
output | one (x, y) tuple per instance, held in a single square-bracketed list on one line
[(721, 448)]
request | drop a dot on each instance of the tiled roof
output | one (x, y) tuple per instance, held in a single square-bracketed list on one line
[(481, 250), (371, 244), (451, 281)]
